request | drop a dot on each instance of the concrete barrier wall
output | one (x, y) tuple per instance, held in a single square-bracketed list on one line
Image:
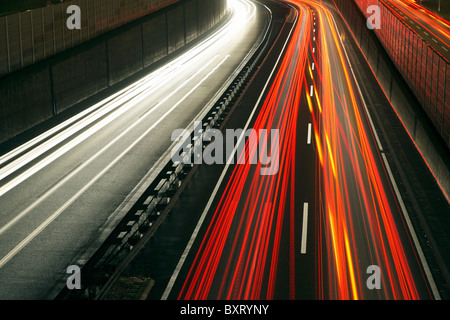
[(203, 15), (425, 135), (47, 88), (424, 69), (31, 36)]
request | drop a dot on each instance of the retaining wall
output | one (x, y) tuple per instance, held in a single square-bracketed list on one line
[(46, 89), (425, 70), (395, 84), (34, 35)]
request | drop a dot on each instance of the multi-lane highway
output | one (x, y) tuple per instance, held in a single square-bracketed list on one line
[(325, 220), (60, 191)]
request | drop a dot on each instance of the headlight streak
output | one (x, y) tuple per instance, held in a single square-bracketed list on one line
[(71, 200), (10, 168), (440, 28), (416, 12), (112, 107)]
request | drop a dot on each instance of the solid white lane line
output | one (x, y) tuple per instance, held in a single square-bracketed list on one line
[(309, 133), (304, 228), (41, 227)]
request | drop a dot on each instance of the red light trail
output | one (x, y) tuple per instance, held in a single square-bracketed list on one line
[(260, 212)]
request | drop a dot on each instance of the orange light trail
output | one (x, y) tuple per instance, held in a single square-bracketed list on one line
[(354, 195), (440, 27)]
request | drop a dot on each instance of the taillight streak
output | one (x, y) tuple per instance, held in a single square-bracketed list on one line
[(251, 262)]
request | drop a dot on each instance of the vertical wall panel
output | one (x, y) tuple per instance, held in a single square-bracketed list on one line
[(38, 34), (125, 54), (25, 101), (14, 39), (26, 38), (4, 61), (34, 35), (175, 28), (58, 27)]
